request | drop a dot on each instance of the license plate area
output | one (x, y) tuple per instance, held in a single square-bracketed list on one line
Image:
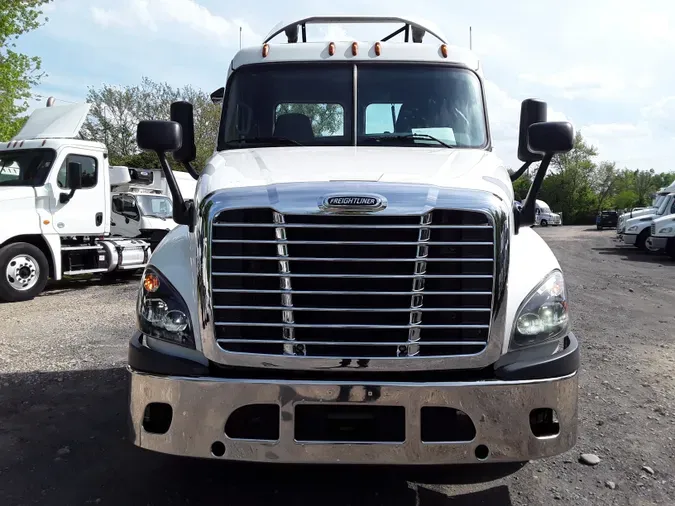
[(344, 423)]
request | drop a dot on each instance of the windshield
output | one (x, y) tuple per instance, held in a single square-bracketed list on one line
[(667, 206), (658, 200), (155, 206), (25, 167), (313, 105)]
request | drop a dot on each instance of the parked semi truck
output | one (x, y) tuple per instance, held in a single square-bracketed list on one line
[(363, 291), (55, 206), (638, 230), (662, 235), (544, 216), (143, 208), (637, 212)]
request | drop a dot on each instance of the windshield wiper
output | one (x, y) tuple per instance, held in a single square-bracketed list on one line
[(263, 140), (409, 137)]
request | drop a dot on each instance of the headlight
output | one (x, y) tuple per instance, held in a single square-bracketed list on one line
[(632, 229), (543, 316), (162, 312), (666, 230)]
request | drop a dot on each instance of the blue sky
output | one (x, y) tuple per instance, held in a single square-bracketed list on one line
[(605, 65)]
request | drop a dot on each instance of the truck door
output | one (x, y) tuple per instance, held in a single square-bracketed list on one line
[(117, 220), (131, 217), (84, 213)]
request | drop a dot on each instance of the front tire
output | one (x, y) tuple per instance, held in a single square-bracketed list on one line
[(24, 272), (544, 223), (641, 241)]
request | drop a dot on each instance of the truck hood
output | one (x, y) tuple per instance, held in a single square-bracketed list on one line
[(635, 214), (154, 223), (645, 218), (457, 168), (8, 193)]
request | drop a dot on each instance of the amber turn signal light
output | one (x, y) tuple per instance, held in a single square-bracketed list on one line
[(150, 282)]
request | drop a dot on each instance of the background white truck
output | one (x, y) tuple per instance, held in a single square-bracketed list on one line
[(544, 216), (642, 211), (55, 206), (638, 230), (662, 235), (364, 293), (143, 208)]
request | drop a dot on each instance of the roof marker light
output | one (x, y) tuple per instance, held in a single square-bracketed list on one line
[(44, 141), (21, 144), (265, 50), (378, 49), (444, 50), (355, 48), (331, 48)]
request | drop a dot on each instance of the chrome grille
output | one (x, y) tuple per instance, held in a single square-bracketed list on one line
[(354, 286)]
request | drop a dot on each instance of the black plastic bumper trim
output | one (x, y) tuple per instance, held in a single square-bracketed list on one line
[(566, 362), (143, 359), (514, 366)]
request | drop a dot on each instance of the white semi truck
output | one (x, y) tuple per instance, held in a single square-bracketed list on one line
[(362, 290), (662, 235), (143, 207), (544, 216), (638, 230), (642, 211), (55, 206)]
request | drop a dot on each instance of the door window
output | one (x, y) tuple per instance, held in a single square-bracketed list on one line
[(89, 171), (129, 208), (117, 204)]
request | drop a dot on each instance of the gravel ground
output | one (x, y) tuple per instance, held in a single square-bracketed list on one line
[(63, 432)]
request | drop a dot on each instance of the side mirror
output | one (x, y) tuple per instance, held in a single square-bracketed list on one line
[(182, 113), (159, 136), (74, 176), (218, 96), (550, 138), (531, 111)]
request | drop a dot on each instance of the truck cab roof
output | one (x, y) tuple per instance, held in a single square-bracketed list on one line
[(298, 48)]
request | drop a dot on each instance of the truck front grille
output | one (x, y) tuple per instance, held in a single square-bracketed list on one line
[(340, 286)]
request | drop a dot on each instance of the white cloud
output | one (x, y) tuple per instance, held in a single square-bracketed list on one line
[(602, 63), (614, 130), (661, 115), (591, 83), (168, 15)]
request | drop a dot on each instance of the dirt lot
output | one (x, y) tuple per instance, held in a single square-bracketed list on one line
[(63, 432)]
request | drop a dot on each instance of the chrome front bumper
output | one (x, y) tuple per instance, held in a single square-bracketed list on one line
[(500, 411)]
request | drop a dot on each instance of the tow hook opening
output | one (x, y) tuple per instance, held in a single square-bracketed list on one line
[(446, 425), (544, 422), (157, 418)]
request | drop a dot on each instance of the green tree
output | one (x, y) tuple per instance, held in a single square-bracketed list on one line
[(18, 72), (327, 119), (116, 111), (568, 187), (603, 181)]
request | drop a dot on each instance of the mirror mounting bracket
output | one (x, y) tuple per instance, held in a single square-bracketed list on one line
[(64, 198)]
